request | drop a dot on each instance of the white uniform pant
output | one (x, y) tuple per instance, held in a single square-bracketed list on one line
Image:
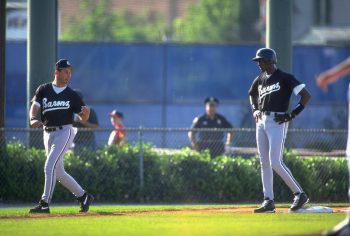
[(57, 144), (270, 137)]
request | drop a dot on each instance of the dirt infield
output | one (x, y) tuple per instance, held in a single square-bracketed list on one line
[(233, 210)]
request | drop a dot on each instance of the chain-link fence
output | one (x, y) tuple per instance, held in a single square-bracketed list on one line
[(305, 142), (159, 165)]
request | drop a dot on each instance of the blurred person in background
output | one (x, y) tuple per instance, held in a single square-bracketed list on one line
[(323, 80), (85, 139), (118, 135), (212, 140)]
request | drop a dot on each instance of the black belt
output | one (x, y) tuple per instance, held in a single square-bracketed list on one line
[(269, 113), (52, 129)]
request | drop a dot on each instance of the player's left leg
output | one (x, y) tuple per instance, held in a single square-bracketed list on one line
[(85, 199), (277, 134), (70, 183)]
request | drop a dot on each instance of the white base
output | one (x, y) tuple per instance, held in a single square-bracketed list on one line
[(313, 209)]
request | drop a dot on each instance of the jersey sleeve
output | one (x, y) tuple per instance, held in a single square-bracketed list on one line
[(38, 97), (253, 90), (77, 102), (195, 123), (291, 82)]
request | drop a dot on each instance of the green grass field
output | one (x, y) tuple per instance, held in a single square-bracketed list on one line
[(149, 220)]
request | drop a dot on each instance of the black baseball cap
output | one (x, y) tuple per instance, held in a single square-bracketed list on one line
[(62, 63), (212, 100), (117, 113)]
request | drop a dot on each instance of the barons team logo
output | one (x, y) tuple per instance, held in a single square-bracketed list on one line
[(55, 105), (263, 91)]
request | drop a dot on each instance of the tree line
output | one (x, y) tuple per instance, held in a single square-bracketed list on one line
[(208, 21)]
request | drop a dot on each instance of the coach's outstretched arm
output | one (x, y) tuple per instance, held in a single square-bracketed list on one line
[(333, 74)]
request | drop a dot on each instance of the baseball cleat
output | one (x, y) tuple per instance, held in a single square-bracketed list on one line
[(268, 206), (299, 200), (85, 202), (43, 207), (341, 229)]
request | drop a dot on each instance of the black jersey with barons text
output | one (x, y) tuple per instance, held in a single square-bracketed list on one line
[(273, 93), (57, 108)]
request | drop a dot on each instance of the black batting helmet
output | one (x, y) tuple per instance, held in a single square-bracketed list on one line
[(266, 54)]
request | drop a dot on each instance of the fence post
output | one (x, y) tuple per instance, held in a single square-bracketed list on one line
[(165, 93), (2, 71), (141, 167)]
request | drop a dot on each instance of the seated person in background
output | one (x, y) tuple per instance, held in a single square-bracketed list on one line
[(118, 135), (212, 140), (85, 138)]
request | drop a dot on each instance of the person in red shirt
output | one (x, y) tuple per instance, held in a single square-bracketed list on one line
[(118, 135)]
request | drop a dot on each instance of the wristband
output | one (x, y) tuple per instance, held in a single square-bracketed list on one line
[(297, 109), (33, 118)]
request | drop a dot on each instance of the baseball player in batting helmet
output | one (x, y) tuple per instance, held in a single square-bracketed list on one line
[(269, 96)]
